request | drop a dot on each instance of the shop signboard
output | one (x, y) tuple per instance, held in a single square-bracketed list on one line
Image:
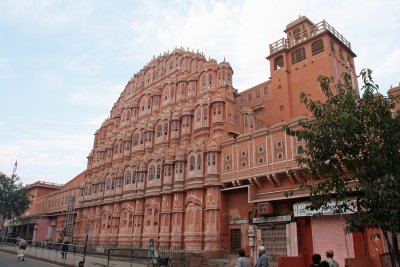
[(301, 210), (239, 221), (273, 219)]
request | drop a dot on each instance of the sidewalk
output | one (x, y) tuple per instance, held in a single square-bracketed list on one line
[(72, 259)]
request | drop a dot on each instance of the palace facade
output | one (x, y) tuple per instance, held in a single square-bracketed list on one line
[(187, 161)]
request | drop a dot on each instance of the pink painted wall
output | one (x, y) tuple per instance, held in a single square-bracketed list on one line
[(42, 228)]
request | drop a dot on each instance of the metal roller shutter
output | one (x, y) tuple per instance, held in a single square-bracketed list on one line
[(328, 233)]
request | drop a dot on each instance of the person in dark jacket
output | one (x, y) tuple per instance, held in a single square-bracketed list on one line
[(64, 248), (316, 259), (262, 259), (241, 261)]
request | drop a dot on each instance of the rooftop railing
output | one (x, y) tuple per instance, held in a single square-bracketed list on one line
[(306, 34), (45, 183)]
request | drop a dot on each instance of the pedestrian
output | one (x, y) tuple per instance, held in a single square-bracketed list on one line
[(324, 264), (262, 258), (64, 248), (241, 261), (330, 260), (316, 259), (21, 249)]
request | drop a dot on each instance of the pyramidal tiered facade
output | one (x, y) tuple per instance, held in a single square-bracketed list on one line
[(153, 172)]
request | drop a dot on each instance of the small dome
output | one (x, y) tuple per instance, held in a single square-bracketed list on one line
[(180, 155), (213, 146), (225, 64), (120, 172), (135, 104), (176, 116), (210, 64), (218, 97), (157, 91), (170, 156), (188, 109), (142, 167), (247, 110), (149, 127)]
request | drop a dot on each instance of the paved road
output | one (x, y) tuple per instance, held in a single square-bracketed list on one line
[(10, 260)]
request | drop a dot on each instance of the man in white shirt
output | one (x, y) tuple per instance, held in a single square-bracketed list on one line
[(330, 260)]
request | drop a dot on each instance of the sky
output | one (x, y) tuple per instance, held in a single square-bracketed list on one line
[(63, 64)]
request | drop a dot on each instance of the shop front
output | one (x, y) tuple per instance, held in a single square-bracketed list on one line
[(278, 234), (328, 232)]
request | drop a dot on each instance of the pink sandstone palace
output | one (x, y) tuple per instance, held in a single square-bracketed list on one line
[(187, 161)]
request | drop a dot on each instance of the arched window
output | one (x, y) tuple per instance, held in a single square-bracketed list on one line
[(135, 139), (159, 130), (192, 163), (300, 150), (223, 78), (298, 55), (133, 177), (278, 62), (198, 115), (203, 82), (151, 172), (317, 47), (199, 162), (128, 115), (246, 121), (205, 115), (209, 85), (167, 170), (148, 136), (148, 102), (166, 128), (158, 173), (165, 93), (128, 177), (141, 140), (112, 184), (108, 183), (127, 146)]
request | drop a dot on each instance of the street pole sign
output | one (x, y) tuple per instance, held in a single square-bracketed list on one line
[(87, 230), (151, 248)]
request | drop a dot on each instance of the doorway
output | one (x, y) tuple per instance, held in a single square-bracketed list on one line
[(236, 241), (275, 242)]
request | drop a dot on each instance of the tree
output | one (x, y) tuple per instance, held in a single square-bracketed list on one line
[(353, 152), (13, 196)]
